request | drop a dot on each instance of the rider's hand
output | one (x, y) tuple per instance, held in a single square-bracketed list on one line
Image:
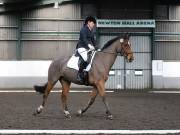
[(91, 47)]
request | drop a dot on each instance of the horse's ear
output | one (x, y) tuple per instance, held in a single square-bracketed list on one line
[(129, 34), (126, 36)]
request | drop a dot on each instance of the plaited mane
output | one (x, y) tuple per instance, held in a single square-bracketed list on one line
[(106, 45)]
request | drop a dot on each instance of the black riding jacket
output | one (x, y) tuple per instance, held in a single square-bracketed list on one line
[(86, 37)]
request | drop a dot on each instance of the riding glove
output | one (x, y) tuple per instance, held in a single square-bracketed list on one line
[(91, 47)]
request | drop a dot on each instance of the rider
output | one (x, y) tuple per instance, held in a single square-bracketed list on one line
[(85, 44)]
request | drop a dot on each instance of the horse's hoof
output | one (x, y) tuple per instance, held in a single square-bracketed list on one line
[(110, 117), (36, 113), (79, 113), (67, 114), (38, 110)]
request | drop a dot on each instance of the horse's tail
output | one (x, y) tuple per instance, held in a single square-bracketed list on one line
[(40, 89)]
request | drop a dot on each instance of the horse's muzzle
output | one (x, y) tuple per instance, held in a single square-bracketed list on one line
[(130, 59)]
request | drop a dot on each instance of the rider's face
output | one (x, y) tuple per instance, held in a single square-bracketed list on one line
[(91, 25)]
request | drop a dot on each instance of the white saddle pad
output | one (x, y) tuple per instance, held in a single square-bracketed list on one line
[(73, 62)]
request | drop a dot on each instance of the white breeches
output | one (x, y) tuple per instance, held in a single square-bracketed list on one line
[(83, 52)]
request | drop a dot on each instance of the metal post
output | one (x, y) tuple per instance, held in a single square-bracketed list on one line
[(18, 46), (152, 53), (152, 42), (98, 37), (124, 73)]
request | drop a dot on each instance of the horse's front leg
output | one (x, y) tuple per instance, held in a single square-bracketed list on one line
[(90, 102), (101, 89), (65, 91)]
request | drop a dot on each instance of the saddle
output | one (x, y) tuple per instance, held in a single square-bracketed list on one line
[(75, 61)]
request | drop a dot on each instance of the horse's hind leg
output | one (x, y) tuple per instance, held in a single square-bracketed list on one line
[(90, 102), (65, 90), (46, 93)]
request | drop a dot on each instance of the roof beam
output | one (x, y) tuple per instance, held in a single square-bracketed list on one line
[(9, 7)]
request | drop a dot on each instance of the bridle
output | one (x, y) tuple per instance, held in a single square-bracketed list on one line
[(116, 52)]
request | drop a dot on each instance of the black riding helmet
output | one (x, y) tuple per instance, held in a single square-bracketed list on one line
[(91, 19)]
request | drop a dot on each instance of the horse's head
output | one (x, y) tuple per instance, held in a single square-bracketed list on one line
[(125, 48)]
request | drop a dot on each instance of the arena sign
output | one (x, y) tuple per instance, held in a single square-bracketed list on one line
[(106, 23)]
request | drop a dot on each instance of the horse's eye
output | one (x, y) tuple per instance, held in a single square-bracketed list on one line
[(128, 44)]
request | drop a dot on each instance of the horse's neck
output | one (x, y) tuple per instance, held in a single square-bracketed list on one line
[(109, 56)]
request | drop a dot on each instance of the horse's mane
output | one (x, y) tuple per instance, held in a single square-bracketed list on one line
[(107, 44)]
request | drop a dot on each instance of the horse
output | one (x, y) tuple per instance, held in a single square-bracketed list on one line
[(97, 76)]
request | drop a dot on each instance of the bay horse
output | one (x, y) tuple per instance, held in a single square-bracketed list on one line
[(98, 74)]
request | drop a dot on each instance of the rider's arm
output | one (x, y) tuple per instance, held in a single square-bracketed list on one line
[(84, 37)]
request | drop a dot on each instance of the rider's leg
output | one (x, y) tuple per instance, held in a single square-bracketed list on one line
[(84, 54), (80, 76)]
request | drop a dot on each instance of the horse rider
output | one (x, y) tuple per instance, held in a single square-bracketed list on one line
[(85, 44)]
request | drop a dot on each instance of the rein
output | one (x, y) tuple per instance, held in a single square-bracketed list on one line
[(109, 52), (112, 52)]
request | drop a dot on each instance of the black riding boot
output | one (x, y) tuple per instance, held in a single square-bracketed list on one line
[(80, 76)]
